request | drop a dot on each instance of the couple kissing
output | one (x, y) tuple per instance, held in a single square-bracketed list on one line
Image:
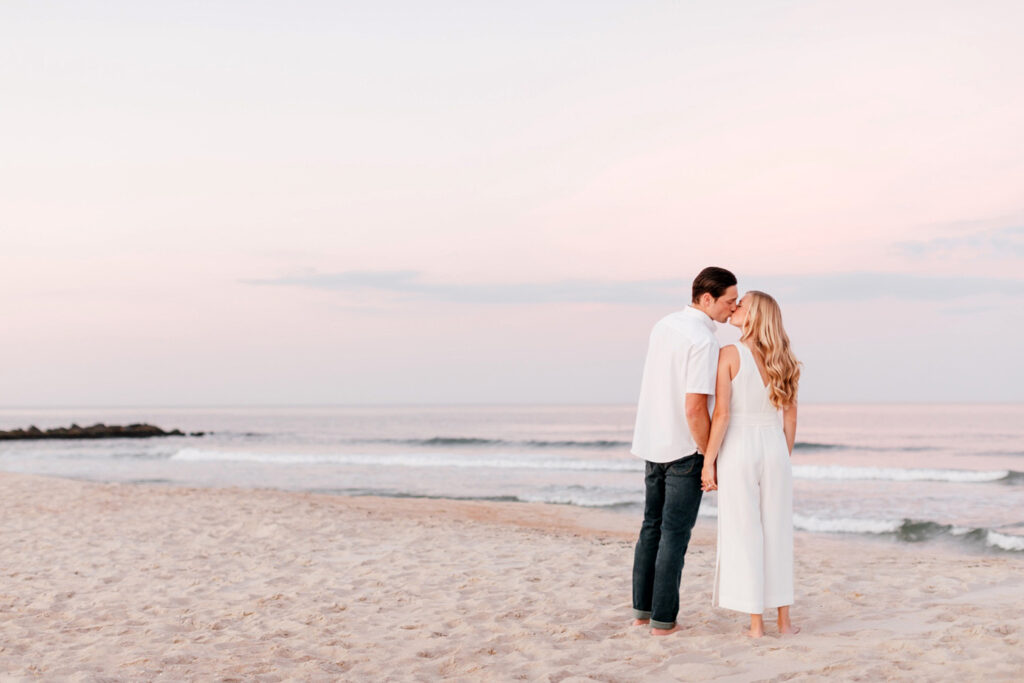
[(718, 419)]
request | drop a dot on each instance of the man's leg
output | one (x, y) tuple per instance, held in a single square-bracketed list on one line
[(682, 500), (650, 537)]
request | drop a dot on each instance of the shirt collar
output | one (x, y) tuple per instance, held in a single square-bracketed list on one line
[(704, 317)]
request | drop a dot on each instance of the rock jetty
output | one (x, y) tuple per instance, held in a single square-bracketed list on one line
[(96, 431)]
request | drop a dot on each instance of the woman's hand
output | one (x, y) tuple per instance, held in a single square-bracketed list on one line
[(708, 478)]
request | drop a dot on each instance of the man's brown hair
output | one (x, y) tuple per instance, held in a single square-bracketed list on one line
[(712, 280)]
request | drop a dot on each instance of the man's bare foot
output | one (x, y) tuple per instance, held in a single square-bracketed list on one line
[(664, 631), (789, 629), (641, 622)]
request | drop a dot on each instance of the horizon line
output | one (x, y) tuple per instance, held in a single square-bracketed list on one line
[(461, 404)]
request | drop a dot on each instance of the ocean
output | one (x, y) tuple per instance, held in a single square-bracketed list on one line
[(904, 473)]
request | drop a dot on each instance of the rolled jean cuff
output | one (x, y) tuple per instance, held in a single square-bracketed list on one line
[(666, 625), (640, 614)]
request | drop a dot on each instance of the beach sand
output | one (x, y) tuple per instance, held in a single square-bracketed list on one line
[(144, 582)]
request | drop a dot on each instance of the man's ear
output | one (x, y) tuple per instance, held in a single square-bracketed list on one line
[(706, 299)]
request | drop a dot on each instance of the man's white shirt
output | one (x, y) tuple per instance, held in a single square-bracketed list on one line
[(682, 359)]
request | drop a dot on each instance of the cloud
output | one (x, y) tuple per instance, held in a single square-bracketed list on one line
[(857, 286), (863, 286), (1002, 241), (384, 280), (411, 284)]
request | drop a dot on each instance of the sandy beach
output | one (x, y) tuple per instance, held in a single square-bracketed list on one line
[(141, 582)]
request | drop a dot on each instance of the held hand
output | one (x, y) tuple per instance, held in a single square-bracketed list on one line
[(708, 478)]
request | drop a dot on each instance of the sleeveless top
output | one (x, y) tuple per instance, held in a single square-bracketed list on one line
[(749, 404)]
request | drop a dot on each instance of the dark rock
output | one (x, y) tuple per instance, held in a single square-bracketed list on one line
[(96, 431)]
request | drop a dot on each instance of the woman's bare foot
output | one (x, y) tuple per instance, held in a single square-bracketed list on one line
[(785, 625), (641, 622), (664, 631), (756, 626)]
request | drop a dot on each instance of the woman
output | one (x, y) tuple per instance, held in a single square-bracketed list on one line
[(747, 461)]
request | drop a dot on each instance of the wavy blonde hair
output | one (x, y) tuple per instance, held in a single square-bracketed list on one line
[(763, 331)]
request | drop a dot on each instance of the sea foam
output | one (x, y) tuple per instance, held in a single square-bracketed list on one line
[(839, 472), (412, 460), (535, 461)]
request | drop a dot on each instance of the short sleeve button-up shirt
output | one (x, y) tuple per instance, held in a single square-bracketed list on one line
[(682, 358)]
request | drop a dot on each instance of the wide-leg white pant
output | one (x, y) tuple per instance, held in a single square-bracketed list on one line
[(754, 569)]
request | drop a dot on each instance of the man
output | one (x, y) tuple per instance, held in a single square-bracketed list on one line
[(673, 421)]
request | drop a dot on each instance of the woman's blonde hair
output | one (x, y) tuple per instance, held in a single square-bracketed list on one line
[(764, 331)]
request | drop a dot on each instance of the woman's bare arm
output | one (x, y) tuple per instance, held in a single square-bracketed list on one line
[(789, 425), (728, 360)]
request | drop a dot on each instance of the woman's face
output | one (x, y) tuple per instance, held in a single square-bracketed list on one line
[(739, 316)]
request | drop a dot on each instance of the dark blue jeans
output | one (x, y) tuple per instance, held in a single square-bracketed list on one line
[(670, 511)]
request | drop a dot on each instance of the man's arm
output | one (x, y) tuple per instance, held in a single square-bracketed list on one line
[(698, 419), (701, 371)]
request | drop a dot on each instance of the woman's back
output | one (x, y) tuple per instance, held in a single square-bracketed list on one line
[(749, 403)]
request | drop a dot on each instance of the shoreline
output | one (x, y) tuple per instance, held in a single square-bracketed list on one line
[(907, 533), (169, 583)]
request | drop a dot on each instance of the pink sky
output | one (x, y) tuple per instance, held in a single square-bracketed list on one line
[(260, 204)]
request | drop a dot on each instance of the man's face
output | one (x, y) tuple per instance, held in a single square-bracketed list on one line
[(722, 307)]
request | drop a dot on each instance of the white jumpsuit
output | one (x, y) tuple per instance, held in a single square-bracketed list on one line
[(754, 569)]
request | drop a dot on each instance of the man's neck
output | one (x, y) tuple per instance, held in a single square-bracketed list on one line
[(700, 308)]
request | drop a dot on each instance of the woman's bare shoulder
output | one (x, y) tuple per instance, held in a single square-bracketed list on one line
[(728, 355)]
